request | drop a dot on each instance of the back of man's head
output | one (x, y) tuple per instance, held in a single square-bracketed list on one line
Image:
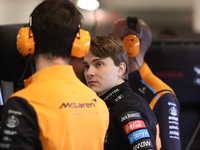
[(110, 46), (54, 25), (122, 28)]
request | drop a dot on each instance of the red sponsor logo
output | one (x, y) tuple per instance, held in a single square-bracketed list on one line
[(133, 125), (170, 74)]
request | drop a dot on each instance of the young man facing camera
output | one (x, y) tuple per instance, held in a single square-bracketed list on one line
[(55, 110), (132, 123)]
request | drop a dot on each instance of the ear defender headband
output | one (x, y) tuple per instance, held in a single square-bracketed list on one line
[(26, 44), (131, 41)]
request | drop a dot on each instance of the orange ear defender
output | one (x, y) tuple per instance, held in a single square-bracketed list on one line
[(131, 41), (26, 45), (81, 44), (132, 44), (25, 41)]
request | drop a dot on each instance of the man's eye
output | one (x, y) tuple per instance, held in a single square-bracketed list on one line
[(99, 64), (86, 66)]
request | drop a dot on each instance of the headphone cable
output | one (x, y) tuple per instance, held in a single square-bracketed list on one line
[(22, 77), (136, 62)]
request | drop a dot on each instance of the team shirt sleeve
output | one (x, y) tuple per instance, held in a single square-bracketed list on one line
[(20, 128), (136, 131), (167, 111)]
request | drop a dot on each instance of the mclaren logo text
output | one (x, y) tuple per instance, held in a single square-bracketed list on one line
[(79, 105)]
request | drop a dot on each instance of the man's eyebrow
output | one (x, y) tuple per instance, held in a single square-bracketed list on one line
[(85, 63), (95, 60)]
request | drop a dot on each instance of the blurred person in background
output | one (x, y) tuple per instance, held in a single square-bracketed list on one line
[(137, 37)]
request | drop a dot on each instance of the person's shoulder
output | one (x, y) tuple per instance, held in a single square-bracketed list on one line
[(18, 93), (131, 101), (156, 83), (133, 105), (168, 97), (133, 96)]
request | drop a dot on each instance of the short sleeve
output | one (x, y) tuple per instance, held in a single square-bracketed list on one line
[(20, 129)]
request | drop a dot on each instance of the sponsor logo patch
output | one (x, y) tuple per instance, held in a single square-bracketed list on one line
[(130, 115), (2, 145), (173, 118), (173, 127), (142, 90), (79, 105), (10, 132), (171, 104), (107, 138), (133, 125), (174, 137), (173, 111), (174, 133), (119, 97), (111, 94), (7, 138), (144, 144), (173, 122), (12, 122), (10, 111), (134, 136)]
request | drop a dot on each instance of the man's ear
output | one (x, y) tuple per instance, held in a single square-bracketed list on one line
[(122, 69)]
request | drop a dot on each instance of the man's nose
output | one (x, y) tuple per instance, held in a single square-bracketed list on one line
[(90, 71)]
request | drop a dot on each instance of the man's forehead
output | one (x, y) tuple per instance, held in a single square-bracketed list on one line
[(121, 29), (89, 57), (117, 27)]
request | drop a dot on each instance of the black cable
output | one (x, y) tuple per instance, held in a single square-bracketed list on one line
[(193, 136), (19, 83), (22, 77), (136, 62)]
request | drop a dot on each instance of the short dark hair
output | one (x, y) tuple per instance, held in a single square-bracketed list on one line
[(110, 46), (54, 25)]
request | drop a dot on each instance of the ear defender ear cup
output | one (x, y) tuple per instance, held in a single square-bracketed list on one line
[(25, 41), (132, 44), (26, 45), (131, 41), (81, 44)]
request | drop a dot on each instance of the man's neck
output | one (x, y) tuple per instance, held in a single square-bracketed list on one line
[(119, 81), (43, 61), (133, 65)]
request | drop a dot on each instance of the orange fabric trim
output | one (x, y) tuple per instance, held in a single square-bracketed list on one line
[(153, 81), (153, 102), (158, 140)]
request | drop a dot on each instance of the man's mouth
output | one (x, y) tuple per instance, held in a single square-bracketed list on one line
[(92, 82)]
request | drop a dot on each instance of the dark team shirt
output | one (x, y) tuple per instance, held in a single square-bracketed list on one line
[(20, 126), (133, 125), (162, 100)]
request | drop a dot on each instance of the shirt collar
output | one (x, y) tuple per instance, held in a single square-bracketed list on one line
[(144, 70), (115, 94), (115, 91), (53, 72)]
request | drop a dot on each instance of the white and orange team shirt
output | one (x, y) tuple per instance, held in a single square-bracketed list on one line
[(55, 111)]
